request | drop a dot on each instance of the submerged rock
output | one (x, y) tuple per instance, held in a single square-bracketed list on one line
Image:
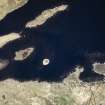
[(3, 64)]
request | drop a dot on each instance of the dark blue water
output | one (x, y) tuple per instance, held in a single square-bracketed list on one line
[(67, 40)]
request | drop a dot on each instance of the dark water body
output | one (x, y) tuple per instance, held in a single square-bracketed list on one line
[(68, 39)]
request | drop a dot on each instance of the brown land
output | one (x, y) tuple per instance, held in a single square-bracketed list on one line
[(71, 91)]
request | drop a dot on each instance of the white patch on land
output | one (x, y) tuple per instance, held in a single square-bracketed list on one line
[(46, 62)]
